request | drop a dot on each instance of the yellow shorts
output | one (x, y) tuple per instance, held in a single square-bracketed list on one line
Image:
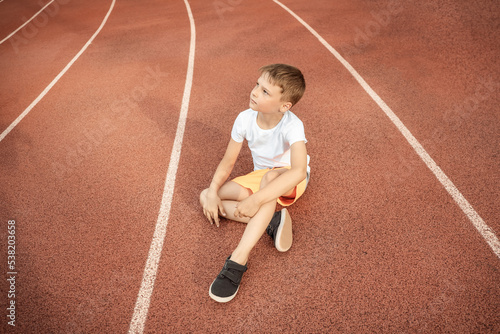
[(252, 181)]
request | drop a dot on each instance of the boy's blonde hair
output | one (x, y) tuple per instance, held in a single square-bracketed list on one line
[(289, 78)]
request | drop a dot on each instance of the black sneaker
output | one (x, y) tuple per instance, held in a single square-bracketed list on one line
[(280, 230), (227, 283)]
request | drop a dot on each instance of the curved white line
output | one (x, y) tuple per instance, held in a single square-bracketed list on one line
[(485, 231), (149, 276), (25, 23), (56, 79)]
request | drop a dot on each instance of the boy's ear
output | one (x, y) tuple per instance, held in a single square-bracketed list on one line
[(285, 106)]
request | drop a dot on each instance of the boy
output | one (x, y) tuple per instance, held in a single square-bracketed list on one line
[(277, 141)]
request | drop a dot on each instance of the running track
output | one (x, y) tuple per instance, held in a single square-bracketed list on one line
[(380, 245)]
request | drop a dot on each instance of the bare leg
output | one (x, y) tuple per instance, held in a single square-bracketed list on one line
[(230, 194), (230, 207), (256, 225), (255, 228)]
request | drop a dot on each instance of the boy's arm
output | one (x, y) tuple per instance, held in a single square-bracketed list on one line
[(226, 165), (279, 186), (213, 204)]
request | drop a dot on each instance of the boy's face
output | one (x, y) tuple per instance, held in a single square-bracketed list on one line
[(266, 97)]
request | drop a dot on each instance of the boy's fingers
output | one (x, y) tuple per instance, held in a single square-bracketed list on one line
[(221, 209), (236, 211), (209, 217), (212, 217)]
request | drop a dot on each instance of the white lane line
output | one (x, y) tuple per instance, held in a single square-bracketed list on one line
[(485, 231), (56, 79), (25, 23), (149, 276)]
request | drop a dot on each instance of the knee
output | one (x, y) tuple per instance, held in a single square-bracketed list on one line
[(203, 195), (268, 177)]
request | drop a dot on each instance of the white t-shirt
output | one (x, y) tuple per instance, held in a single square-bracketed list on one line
[(270, 148)]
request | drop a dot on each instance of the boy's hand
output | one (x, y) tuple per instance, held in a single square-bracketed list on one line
[(212, 207), (247, 208)]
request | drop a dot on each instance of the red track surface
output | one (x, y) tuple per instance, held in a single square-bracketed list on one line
[(379, 245)]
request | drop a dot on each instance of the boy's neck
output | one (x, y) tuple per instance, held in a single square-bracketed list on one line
[(268, 121)]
